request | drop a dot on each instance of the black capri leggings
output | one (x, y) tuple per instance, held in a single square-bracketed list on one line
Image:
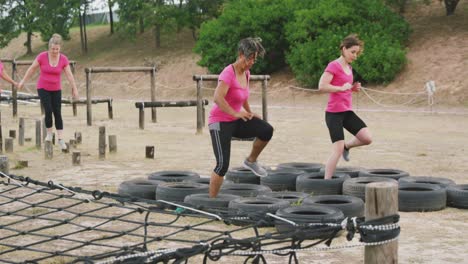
[(337, 121), (222, 133), (52, 103)]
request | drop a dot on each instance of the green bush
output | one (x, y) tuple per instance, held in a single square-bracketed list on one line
[(218, 39), (315, 32)]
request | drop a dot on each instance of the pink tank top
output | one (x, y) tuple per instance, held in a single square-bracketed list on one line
[(339, 101), (49, 76)]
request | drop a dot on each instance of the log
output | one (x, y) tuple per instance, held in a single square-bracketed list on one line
[(112, 143), (169, 103), (76, 158), (4, 164), (102, 142), (21, 132), (381, 200), (119, 69), (150, 152), (9, 145), (48, 150), (38, 134)]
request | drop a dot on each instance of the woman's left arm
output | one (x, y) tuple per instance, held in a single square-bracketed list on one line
[(7, 78), (71, 80), (246, 106)]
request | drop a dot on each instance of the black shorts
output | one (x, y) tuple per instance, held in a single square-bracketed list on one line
[(337, 121)]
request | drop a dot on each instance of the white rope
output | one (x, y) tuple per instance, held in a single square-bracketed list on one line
[(385, 105)]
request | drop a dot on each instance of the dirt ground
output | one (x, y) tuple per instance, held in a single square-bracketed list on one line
[(421, 143)]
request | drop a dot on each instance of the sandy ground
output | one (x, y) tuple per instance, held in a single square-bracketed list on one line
[(420, 143)]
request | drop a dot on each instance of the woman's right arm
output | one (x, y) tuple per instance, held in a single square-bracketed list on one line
[(325, 84), (29, 72), (219, 94)]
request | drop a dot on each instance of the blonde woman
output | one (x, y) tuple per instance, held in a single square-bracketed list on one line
[(51, 64)]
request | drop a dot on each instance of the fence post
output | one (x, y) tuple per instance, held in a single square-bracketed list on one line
[(1, 135), (89, 115), (14, 90), (21, 132), (102, 142), (264, 99), (153, 94), (199, 108), (38, 134)]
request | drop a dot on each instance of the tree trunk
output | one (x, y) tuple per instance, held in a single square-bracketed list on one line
[(450, 6), (157, 35), (29, 43), (81, 33), (402, 6), (85, 36), (194, 33), (111, 16), (142, 25)]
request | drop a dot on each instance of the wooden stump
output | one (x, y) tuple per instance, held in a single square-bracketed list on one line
[(21, 132), (4, 165), (12, 133), (72, 144), (9, 145), (38, 134), (150, 152), (141, 118), (48, 150), (102, 142), (381, 200), (76, 158), (78, 137), (112, 143)]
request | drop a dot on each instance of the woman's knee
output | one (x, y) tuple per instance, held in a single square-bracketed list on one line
[(266, 133), (221, 169)]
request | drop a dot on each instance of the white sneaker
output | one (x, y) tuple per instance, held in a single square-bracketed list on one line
[(62, 144), (48, 137), (255, 168)]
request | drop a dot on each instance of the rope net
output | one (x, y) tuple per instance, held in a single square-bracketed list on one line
[(46, 221)]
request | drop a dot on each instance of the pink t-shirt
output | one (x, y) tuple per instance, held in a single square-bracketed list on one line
[(49, 77), (339, 101), (1, 69), (235, 96)]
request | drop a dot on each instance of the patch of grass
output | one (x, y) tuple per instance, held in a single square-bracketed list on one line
[(19, 165), (421, 155)]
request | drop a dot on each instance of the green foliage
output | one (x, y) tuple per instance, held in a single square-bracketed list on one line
[(8, 27), (315, 33), (218, 39), (55, 16)]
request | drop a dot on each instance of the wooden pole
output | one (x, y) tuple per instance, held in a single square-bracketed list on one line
[(75, 110), (21, 132), (150, 152), (141, 118), (1, 135), (199, 108), (153, 94), (109, 109), (44, 129), (38, 134), (112, 143), (102, 142), (264, 100), (76, 158), (4, 165), (381, 200), (14, 90), (48, 150), (89, 115)]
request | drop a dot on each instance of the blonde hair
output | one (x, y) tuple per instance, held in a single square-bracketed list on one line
[(56, 39), (352, 40)]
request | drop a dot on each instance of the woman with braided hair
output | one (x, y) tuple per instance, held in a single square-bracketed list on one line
[(231, 115)]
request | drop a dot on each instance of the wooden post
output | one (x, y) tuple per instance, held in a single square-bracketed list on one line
[(21, 132), (153, 94), (76, 158), (141, 117), (14, 90), (199, 108), (78, 137), (48, 150), (13, 133), (4, 165), (264, 100), (72, 144), (9, 145), (112, 143), (1, 135), (109, 109), (150, 152), (75, 110), (102, 142), (381, 200), (38, 134), (44, 129), (89, 115)]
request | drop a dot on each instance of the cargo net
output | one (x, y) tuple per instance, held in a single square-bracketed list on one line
[(48, 222)]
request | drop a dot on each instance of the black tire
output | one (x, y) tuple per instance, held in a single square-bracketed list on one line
[(357, 186), (173, 176), (314, 183), (281, 179), (457, 196), (387, 173), (203, 201), (353, 172), (141, 188), (244, 189), (421, 197), (242, 175), (350, 206), (177, 191), (304, 166), (255, 208), (442, 182), (302, 215), (296, 198), (205, 180)]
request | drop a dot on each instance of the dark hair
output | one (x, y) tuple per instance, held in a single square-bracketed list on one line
[(352, 40), (249, 46)]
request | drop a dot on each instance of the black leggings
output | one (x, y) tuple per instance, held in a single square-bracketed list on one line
[(337, 121), (52, 103), (222, 133)]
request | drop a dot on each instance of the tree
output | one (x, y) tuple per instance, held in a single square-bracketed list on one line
[(199, 11), (110, 3), (26, 15), (8, 26)]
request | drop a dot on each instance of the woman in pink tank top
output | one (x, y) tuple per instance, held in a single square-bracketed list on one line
[(6, 77), (337, 80), (51, 64)]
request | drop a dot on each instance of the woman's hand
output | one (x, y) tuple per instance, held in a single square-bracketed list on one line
[(75, 93), (356, 87), (20, 85), (346, 87), (244, 115)]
